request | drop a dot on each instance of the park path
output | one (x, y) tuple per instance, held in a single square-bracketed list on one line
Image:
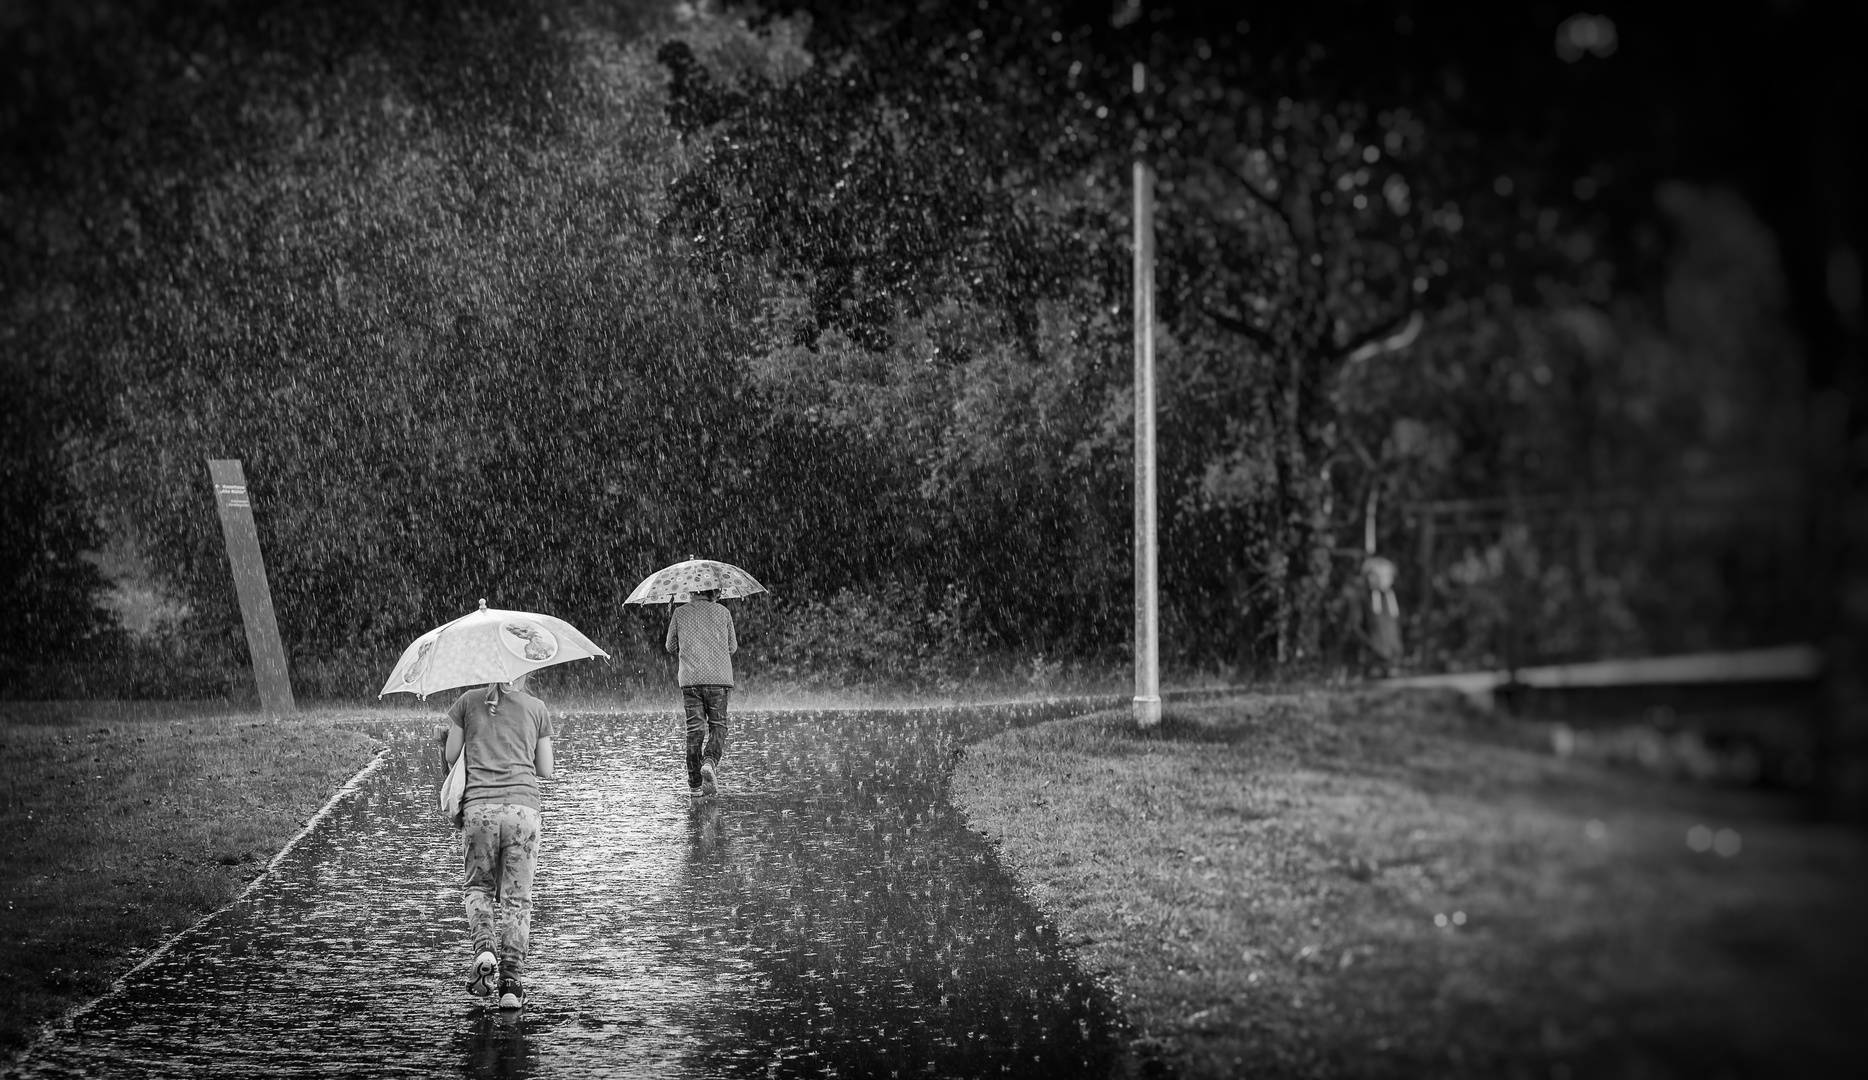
[(828, 914)]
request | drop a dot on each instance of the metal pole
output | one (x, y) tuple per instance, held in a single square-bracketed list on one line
[(1147, 639), (249, 574)]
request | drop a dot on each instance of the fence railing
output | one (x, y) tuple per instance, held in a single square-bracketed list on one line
[(1518, 581)]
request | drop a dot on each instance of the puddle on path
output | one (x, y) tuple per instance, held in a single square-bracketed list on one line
[(826, 915)]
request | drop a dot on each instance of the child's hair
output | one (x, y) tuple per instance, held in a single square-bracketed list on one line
[(521, 681)]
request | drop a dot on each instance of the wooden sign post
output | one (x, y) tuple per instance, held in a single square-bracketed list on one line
[(249, 573)]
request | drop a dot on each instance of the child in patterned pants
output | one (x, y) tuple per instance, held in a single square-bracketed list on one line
[(504, 734), (500, 843)]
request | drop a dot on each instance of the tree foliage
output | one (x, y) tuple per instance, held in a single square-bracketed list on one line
[(525, 299)]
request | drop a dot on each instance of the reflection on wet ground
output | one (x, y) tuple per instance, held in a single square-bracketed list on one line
[(827, 914)]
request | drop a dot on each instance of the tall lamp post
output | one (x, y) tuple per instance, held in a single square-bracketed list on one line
[(1147, 703)]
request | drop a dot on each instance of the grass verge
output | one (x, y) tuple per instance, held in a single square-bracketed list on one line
[(1398, 885), (122, 824)]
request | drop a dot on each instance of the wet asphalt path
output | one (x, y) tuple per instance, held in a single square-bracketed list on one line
[(827, 914)]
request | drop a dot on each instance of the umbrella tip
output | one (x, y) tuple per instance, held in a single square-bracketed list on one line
[(483, 603)]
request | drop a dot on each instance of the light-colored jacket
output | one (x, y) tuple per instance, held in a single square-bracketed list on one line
[(701, 633)]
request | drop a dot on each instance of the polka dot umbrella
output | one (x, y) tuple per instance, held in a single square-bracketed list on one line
[(485, 646), (677, 582)]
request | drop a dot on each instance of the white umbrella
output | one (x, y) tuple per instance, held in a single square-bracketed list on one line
[(488, 645), (677, 581)]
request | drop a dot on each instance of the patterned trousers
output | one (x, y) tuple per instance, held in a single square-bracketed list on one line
[(499, 843)]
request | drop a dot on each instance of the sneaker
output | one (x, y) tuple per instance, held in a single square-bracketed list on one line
[(480, 973), (696, 793), (511, 995), (707, 786)]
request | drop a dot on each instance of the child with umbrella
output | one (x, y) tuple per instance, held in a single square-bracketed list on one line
[(501, 736)]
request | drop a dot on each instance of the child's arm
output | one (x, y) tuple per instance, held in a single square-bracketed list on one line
[(454, 734), (543, 764)]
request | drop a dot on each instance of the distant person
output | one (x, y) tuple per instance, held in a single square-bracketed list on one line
[(701, 633), (506, 734), (1382, 612)]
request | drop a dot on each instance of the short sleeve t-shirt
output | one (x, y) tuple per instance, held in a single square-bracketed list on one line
[(500, 746)]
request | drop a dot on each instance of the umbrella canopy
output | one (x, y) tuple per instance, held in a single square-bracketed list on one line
[(489, 645), (677, 581)]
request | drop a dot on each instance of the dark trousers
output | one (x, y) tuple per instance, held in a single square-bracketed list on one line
[(706, 707)]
